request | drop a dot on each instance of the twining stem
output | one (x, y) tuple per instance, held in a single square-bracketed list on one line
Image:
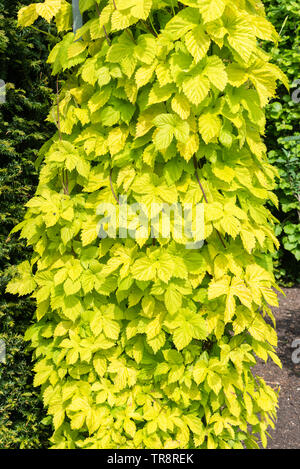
[(152, 25), (112, 188), (149, 29), (204, 196), (97, 8), (199, 182), (220, 238), (57, 105), (43, 32), (105, 32), (106, 35), (65, 182)]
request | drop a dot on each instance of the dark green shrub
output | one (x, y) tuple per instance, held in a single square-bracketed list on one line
[(22, 131)]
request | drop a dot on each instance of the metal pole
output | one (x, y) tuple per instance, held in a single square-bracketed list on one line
[(77, 17)]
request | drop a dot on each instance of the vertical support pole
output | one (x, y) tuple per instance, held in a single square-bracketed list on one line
[(77, 18)]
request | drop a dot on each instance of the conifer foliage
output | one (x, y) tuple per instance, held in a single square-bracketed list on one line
[(23, 68), (142, 343)]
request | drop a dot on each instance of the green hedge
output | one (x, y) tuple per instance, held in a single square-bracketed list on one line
[(22, 131), (283, 126)]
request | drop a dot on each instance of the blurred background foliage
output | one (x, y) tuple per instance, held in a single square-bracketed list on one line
[(283, 138), (23, 130)]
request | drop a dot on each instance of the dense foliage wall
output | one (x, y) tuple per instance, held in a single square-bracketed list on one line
[(23, 130), (142, 342), (283, 137)]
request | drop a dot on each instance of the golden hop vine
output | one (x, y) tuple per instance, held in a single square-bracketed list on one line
[(142, 343)]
